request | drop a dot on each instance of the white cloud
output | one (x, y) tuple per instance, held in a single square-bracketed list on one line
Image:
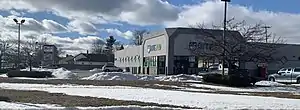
[(46, 26), (84, 28), (286, 25), (126, 35), (35, 30), (13, 12), (53, 26), (140, 12), (71, 46)]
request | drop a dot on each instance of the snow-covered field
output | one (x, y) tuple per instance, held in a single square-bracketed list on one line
[(180, 98), (11, 105)]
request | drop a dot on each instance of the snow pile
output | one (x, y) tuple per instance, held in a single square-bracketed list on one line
[(3, 75), (180, 77), (95, 70), (62, 73), (129, 76), (268, 83), (112, 76), (147, 78)]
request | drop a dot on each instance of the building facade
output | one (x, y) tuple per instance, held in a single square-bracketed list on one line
[(50, 55), (166, 52), (285, 56)]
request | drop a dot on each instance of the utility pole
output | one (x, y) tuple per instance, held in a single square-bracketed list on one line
[(266, 32), (224, 35)]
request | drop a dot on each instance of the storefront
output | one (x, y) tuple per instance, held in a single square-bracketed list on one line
[(166, 52)]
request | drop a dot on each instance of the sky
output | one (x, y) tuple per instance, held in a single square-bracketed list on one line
[(73, 25)]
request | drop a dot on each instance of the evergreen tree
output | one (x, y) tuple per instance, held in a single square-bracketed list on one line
[(109, 44), (122, 47)]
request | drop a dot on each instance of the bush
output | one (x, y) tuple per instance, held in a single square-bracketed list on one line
[(2, 71), (30, 74), (214, 78), (237, 78)]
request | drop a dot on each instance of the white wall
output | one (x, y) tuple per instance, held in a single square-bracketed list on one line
[(129, 52), (160, 40)]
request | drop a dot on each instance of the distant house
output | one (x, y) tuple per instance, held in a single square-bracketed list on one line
[(66, 60), (93, 59), (86, 61)]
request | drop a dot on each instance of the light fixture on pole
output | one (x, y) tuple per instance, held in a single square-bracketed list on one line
[(224, 38), (19, 39)]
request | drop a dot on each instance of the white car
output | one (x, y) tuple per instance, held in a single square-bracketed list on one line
[(111, 68)]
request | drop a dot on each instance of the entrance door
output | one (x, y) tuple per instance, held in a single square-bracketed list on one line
[(181, 65)]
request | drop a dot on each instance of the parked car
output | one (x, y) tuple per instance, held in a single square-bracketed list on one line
[(286, 75), (111, 68)]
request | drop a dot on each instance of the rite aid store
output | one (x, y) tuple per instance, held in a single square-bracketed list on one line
[(165, 52)]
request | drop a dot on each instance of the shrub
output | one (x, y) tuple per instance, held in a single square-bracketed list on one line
[(30, 74), (6, 70), (237, 78), (214, 78)]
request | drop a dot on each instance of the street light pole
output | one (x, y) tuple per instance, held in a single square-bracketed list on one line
[(266, 29), (19, 38), (224, 34)]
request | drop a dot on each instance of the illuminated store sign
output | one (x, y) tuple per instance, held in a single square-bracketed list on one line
[(155, 47)]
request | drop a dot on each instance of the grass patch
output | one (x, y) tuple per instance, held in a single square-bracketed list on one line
[(138, 83), (39, 97)]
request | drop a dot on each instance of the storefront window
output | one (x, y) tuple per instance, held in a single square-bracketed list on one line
[(154, 61), (146, 61)]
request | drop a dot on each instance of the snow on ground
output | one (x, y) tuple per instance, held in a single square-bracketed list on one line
[(10, 105), (130, 107), (60, 73), (250, 89), (129, 76), (268, 83), (112, 76), (3, 75), (203, 100), (180, 77)]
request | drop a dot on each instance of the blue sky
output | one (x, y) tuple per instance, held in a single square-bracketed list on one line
[(69, 22)]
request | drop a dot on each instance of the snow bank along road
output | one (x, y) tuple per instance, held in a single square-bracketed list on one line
[(180, 98)]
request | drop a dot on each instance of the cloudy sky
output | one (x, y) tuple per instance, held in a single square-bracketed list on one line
[(74, 24)]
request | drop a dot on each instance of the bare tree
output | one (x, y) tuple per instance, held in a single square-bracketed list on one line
[(138, 37), (98, 46), (4, 46), (243, 43)]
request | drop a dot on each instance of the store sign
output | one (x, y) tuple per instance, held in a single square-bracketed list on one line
[(155, 47), (194, 45), (199, 45), (48, 48)]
